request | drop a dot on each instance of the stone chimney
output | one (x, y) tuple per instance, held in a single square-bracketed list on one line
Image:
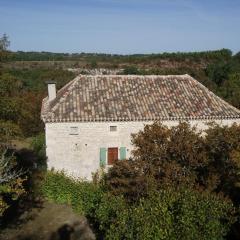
[(51, 90)]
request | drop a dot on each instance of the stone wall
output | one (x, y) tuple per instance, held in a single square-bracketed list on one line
[(75, 147)]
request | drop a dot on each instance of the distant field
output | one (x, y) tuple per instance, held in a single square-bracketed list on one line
[(158, 63), (91, 60)]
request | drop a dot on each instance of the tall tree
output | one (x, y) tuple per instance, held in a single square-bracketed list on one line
[(4, 42), (4, 45)]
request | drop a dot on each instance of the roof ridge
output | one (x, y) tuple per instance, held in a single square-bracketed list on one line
[(133, 75)]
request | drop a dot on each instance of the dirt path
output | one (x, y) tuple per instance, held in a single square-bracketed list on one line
[(52, 222)]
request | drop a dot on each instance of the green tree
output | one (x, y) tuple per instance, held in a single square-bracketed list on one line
[(218, 72), (231, 89), (223, 166), (179, 156), (10, 88), (4, 44), (10, 85)]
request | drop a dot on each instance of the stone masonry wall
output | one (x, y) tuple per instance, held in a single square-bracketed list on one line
[(75, 147)]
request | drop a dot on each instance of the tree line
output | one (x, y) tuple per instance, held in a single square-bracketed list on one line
[(118, 58)]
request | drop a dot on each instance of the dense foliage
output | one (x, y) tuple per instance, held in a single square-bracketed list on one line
[(18, 170), (22, 92), (83, 196), (11, 183), (165, 214), (180, 156), (180, 184)]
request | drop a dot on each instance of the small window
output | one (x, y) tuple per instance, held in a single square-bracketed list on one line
[(73, 130), (113, 128)]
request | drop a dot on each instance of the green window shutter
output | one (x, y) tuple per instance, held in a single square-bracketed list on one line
[(103, 157), (123, 153)]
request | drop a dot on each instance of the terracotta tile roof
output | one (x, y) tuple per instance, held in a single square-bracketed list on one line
[(135, 98)]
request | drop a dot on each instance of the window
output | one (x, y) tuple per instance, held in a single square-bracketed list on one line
[(108, 156), (113, 128), (73, 131)]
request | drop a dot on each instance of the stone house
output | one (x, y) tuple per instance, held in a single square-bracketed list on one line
[(89, 122)]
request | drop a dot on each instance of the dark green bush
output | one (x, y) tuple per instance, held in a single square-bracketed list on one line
[(130, 180), (38, 146), (166, 214), (218, 72), (82, 196), (131, 70)]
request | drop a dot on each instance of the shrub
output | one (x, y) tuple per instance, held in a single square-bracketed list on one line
[(162, 156), (11, 181), (38, 146), (223, 151), (181, 145), (11, 177), (131, 70), (180, 156), (129, 179), (10, 192), (166, 214), (111, 217), (82, 196)]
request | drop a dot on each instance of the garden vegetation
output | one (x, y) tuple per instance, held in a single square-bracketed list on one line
[(175, 187)]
